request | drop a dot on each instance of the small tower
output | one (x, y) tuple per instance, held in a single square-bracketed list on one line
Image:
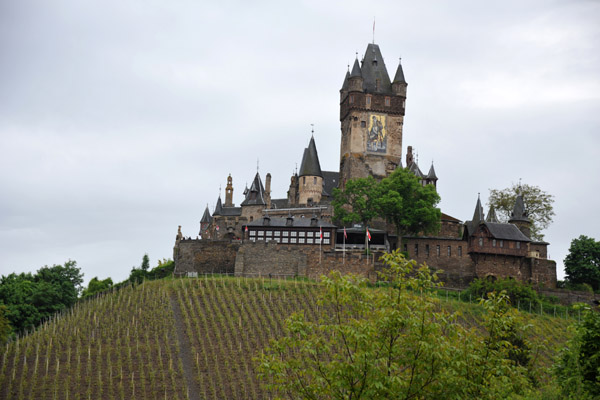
[(229, 192), (268, 190), (431, 178), (519, 217), (491, 217), (311, 178), (293, 190), (205, 221)]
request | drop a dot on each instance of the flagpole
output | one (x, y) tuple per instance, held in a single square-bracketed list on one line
[(344, 248), (320, 242)]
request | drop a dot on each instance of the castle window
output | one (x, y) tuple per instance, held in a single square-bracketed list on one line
[(269, 233), (405, 248), (252, 233), (363, 124), (437, 250), (301, 240), (293, 233), (284, 240), (309, 241), (326, 234), (276, 233), (426, 250), (449, 251), (277, 239), (293, 240), (309, 234), (368, 101), (416, 249), (403, 103), (493, 242), (325, 241), (285, 233), (351, 99), (387, 101), (502, 243), (261, 233), (518, 245), (315, 180), (460, 251), (480, 242), (302, 234), (304, 180)]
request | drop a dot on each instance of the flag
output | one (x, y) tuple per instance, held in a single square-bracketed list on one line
[(217, 228), (345, 235), (368, 234), (321, 233), (246, 228)]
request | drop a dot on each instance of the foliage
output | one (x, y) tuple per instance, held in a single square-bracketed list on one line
[(537, 202), (411, 207), (145, 263), (33, 298), (356, 203), (582, 264), (5, 328), (96, 286), (578, 366), (515, 290), (394, 342)]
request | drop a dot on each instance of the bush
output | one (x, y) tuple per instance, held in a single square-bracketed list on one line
[(517, 292)]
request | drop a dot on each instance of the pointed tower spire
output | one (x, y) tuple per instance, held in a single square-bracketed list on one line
[(218, 207), (491, 217), (478, 215), (310, 165), (519, 217)]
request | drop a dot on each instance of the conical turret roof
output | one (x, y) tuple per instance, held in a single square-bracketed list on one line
[(345, 84), (491, 217), (218, 207), (310, 165), (519, 212), (373, 71), (256, 194), (478, 215), (431, 174), (399, 77), (206, 218), (356, 72)]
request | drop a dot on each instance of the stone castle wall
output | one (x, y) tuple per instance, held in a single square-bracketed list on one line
[(204, 256)]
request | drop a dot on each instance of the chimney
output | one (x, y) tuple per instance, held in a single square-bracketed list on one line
[(268, 190)]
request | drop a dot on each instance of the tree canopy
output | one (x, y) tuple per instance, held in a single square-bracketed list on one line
[(582, 264), (538, 203), (399, 199), (395, 342)]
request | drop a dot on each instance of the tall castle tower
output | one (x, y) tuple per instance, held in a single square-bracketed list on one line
[(371, 115)]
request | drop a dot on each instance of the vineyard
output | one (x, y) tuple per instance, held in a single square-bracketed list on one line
[(175, 339)]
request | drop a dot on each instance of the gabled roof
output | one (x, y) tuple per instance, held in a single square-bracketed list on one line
[(218, 207), (206, 216), (414, 168), (491, 217), (506, 232), (373, 69), (431, 174), (255, 195), (310, 165), (399, 77)]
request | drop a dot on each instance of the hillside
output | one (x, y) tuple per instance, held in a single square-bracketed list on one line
[(161, 338)]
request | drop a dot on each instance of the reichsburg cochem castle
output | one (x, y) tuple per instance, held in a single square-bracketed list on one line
[(296, 236)]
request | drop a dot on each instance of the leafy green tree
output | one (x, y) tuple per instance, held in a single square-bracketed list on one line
[(357, 202), (410, 206), (578, 366), (391, 342), (5, 328), (96, 286), (538, 203), (145, 263), (582, 264)]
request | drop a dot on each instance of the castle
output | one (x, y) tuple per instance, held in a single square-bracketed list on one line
[(296, 235)]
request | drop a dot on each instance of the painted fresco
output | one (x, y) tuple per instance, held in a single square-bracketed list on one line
[(377, 134)]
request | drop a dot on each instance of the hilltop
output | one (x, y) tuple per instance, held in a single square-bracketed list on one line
[(177, 339)]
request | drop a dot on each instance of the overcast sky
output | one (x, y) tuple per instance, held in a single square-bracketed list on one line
[(120, 119)]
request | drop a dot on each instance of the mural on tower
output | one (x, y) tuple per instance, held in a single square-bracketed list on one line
[(377, 134)]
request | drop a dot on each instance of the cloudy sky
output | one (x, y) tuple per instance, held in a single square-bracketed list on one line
[(120, 119)]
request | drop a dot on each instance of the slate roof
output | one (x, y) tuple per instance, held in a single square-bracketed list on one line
[(373, 69), (310, 165), (399, 77), (491, 217), (506, 231), (331, 180), (519, 212), (356, 72), (478, 216), (256, 194), (280, 203), (414, 168), (206, 216), (297, 223), (218, 207), (446, 217), (431, 174), (231, 211), (345, 84)]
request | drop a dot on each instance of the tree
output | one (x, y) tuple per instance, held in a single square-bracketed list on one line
[(578, 366), (410, 206), (96, 286), (537, 202), (145, 263), (5, 328), (582, 264), (357, 202), (391, 342)]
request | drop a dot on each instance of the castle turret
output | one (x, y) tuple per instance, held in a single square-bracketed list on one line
[(310, 187), (399, 84), (431, 178), (229, 192), (491, 217), (355, 80), (205, 221), (519, 217), (268, 190)]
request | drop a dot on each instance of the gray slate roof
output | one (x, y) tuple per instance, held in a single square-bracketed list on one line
[(414, 168), (356, 72), (206, 216), (431, 174), (310, 165), (491, 217), (399, 77), (331, 180), (218, 207), (231, 211), (256, 194), (506, 231), (373, 69), (519, 212), (345, 84)]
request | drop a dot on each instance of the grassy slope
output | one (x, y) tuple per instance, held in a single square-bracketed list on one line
[(177, 339)]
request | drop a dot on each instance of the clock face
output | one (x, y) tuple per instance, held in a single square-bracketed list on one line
[(377, 134)]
